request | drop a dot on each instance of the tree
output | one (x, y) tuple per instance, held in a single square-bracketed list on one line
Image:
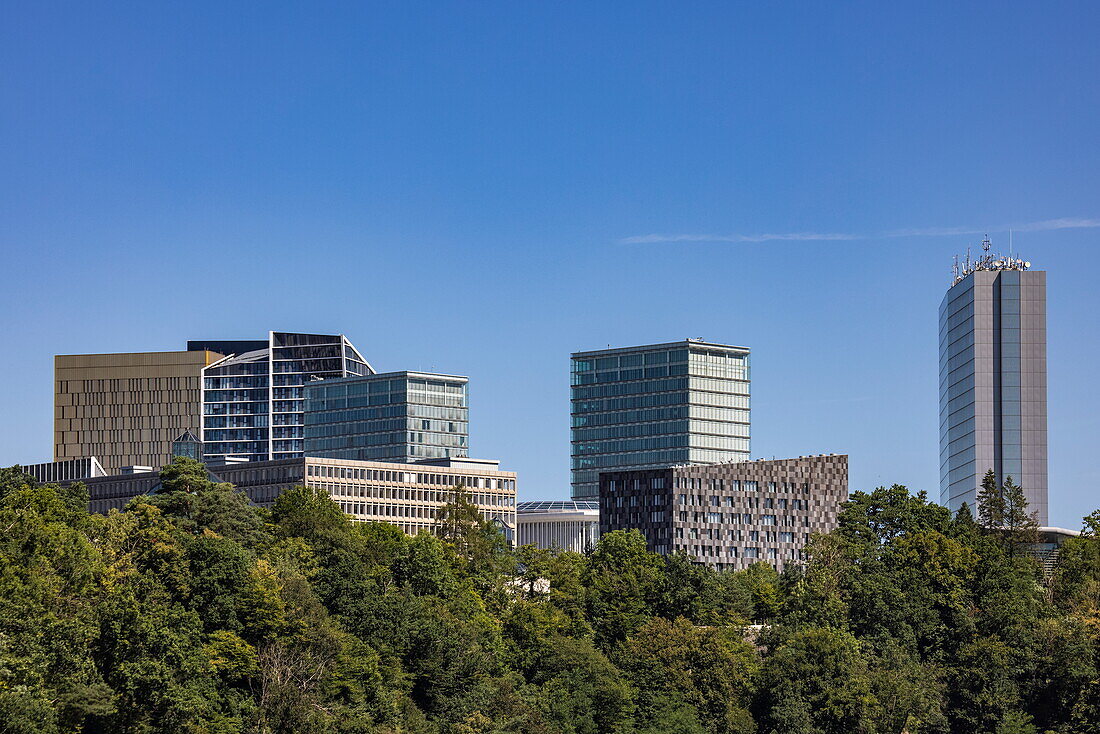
[(1020, 525), (888, 512), (710, 670), (817, 682), (184, 475), (624, 581), (459, 522), (991, 503)]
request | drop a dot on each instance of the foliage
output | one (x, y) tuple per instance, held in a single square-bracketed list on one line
[(195, 611)]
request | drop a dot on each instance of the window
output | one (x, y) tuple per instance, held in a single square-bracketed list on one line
[(752, 553)]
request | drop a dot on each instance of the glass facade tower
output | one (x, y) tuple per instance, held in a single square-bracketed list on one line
[(253, 402), (394, 416), (657, 406), (993, 381)]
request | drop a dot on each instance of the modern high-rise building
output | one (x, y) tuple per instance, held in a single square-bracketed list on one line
[(657, 405), (993, 384), (394, 416), (253, 401), (126, 409)]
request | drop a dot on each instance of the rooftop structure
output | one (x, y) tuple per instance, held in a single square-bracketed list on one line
[(65, 471), (987, 262)]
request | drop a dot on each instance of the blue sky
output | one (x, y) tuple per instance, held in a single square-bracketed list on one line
[(482, 188)]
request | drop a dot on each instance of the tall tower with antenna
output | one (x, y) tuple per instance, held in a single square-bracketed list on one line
[(993, 380)]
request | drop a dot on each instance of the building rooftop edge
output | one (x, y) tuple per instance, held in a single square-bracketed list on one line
[(646, 347), (127, 354), (390, 374)]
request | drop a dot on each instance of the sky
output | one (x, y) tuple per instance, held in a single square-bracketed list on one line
[(483, 188)]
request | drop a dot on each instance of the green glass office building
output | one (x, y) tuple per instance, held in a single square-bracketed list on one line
[(393, 416), (656, 406)]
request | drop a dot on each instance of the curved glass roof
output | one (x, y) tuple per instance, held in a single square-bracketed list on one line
[(557, 505)]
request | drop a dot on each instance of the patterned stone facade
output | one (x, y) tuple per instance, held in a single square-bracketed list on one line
[(729, 515)]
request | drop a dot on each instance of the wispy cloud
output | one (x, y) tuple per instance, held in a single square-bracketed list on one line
[(1040, 226), (651, 239), (1063, 223)]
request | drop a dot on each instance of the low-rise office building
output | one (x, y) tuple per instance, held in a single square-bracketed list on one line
[(569, 525), (66, 470), (728, 516), (406, 495)]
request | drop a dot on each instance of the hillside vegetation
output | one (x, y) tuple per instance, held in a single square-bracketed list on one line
[(194, 611)]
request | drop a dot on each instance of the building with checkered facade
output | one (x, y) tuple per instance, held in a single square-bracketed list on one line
[(732, 515)]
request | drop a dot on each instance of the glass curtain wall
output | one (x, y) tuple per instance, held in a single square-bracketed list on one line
[(253, 403), (398, 416), (661, 405)]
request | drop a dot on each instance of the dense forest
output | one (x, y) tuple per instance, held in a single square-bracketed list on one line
[(194, 611)]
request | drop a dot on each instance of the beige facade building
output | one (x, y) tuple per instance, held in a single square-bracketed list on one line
[(405, 495), (126, 409)]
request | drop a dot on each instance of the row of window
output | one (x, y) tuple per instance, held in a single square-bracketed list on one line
[(705, 551), (412, 494), (637, 359), (754, 536), (364, 401), (735, 518), (721, 443), (409, 477)]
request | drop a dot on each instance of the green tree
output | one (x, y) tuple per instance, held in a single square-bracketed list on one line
[(184, 475), (817, 682), (710, 670), (991, 503), (1020, 524), (624, 582)]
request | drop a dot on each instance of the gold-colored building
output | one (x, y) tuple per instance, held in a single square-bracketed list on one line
[(126, 409)]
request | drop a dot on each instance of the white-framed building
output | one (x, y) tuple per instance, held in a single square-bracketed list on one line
[(570, 525)]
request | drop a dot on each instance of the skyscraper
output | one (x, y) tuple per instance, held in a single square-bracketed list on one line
[(394, 416), (655, 406), (252, 401), (126, 409), (993, 409)]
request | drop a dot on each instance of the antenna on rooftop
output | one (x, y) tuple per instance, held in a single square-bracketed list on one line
[(986, 244)]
